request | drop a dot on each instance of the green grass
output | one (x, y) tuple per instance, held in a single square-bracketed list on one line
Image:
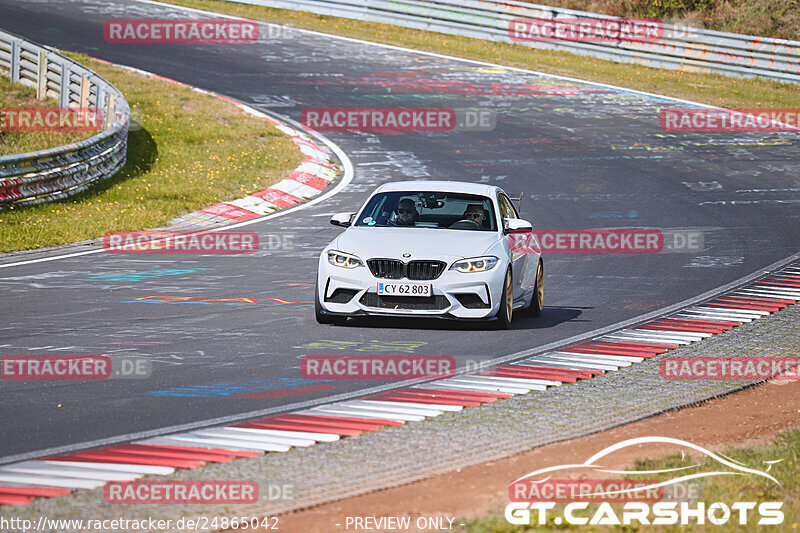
[(725, 489), (707, 88), (190, 151), (19, 142)]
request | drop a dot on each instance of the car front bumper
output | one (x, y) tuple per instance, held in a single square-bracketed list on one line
[(354, 292)]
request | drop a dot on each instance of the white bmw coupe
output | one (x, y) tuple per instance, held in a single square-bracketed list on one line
[(443, 249)]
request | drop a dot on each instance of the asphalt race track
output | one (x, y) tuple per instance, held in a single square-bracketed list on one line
[(585, 156)]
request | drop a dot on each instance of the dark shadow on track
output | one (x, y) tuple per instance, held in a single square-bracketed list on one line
[(550, 317)]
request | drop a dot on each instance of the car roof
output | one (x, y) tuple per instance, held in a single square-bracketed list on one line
[(440, 186)]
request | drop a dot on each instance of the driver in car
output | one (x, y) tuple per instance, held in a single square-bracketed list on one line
[(407, 213), (476, 213)]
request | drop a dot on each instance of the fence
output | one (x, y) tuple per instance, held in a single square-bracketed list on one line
[(679, 47), (60, 172)]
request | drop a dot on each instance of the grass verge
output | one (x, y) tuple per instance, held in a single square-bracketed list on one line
[(711, 89), (190, 151), (19, 142), (725, 489)]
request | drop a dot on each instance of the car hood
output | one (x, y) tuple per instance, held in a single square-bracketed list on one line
[(421, 243)]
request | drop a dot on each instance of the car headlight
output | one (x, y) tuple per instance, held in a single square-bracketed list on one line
[(341, 259), (475, 264)]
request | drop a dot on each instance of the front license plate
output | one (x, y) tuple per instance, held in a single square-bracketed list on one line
[(405, 289)]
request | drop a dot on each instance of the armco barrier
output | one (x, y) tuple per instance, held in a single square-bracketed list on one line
[(679, 48), (59, 172)]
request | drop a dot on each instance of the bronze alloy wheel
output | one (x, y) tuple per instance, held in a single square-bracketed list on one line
[(506, 305), (539, 303), (509, 296)]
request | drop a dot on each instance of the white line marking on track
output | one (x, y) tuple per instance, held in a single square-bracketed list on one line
[(361, 413), (65, 471), (436, 406), (482, 385), (601, 357), (584, 362), (188, 439), (115, 467), (257, 435), (52, 481), (370, 405)]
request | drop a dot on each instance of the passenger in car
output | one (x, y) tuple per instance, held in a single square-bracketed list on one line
[(477, 213), (407, 213)]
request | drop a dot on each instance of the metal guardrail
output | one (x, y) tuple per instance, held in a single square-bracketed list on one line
[(60, 172), (680, 48)]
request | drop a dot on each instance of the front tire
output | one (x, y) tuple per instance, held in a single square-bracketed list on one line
[(320, 315), (506, 311)]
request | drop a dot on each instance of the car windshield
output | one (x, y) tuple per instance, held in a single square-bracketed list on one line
[(429, 209)]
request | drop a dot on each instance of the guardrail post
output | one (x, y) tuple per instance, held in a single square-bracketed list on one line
[(15, 47), (85, 90), (99, 100), (65, 75), (108, 115), (41, 85)]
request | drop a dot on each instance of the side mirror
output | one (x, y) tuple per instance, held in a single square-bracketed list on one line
[(342, 219), (515, 224)]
